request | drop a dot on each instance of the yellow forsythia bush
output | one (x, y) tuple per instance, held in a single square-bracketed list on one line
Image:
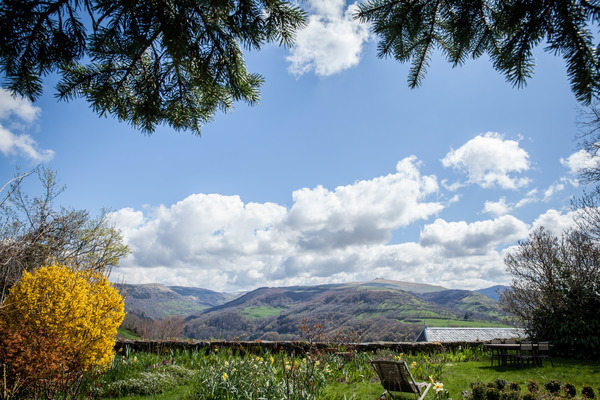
[(80, 308)]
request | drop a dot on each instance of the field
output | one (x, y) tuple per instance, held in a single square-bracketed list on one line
[(221, 374)]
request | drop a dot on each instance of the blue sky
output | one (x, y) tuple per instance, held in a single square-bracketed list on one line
[(341, 172)]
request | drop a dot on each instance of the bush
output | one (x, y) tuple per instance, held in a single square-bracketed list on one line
[(588, 392), (515, 387), (552, 386), (532, 386), (500, 383), (78, 308), (479, 391), (569, 390), (492, 393), (34, 364)]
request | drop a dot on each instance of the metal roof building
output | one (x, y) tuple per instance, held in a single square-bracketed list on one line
[(468, 334)]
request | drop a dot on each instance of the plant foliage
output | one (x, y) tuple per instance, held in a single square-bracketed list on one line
[(34, 232), (555, 290), (79, 308), (148, 63), (507, 31)]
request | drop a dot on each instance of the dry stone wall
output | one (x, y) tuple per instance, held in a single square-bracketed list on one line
[(299, 348)]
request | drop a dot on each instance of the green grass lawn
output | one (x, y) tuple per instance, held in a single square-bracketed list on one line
[(342, 379), (460, 375)]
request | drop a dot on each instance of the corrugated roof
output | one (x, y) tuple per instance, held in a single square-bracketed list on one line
[(468, 334)]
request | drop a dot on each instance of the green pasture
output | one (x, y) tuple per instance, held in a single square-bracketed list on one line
[(221, 374)]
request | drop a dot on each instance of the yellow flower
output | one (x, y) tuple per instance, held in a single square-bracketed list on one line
[(271, 359), (414, 364), (431, 378), (225, 376), (80, 307), (438, 387)]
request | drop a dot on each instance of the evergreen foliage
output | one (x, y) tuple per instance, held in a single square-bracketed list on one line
[(505, 30), (555, 290), (172, 62)]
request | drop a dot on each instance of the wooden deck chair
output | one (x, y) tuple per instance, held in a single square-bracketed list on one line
[(396, 377)]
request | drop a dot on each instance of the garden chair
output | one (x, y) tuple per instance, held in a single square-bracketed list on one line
[(396, 377), (526, 353), (497, 353), (543, 351)]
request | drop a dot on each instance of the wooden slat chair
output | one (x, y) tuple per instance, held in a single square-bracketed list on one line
[(396, 377), (526, 353), (543, 351), (497, 353), (512, 355)]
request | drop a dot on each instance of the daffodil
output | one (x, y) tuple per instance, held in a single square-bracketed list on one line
[(225, 376), (438, 387), (414, 364)]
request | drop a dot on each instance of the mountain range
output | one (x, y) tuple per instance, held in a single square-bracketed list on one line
[(378, 310)]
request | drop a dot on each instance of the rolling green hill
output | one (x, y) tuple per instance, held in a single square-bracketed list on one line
[(380, 310), (155, 300)]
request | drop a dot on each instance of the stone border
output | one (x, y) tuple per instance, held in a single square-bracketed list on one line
[(291, 347)]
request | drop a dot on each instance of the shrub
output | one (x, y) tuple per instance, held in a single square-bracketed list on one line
[(79, 308), (492, 393), (532, 386), (34, 364), (500, 383), (529, 396), (552, 386), (510, 395), (569, 390), (588, 392), (479, 390), (515, 387)]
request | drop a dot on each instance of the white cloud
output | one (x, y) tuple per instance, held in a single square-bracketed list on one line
[(489, 161), (331, 42), (458, 239), (17, 106), (555, 222), (552, 190), (219, 241), (327, 235), (22, 145), (18, 114), (580, 161), (496, 208)]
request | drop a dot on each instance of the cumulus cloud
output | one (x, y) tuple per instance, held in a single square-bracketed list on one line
[(496, 208), (17, 114), (214, 240), (555, 222), (327, 235), (458, 239), (580, 161), (489, 161), (331, 42)]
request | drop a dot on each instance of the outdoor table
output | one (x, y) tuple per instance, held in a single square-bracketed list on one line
[(504, 351), (507, 352)]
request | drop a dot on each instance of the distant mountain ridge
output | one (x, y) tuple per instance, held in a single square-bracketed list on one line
[(155, 300), (379, 309)]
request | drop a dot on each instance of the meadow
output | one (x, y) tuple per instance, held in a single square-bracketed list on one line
[(224, 374)]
